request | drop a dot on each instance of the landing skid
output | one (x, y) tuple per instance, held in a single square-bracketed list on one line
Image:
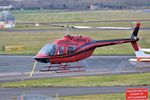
[(63, 68), (66, 71)]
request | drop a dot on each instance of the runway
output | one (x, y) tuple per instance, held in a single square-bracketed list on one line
[(6, 93), (13, 68)]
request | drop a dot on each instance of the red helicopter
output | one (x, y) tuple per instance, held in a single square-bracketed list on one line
[(75, 48)]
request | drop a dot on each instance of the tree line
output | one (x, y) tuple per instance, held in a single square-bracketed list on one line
[(77, 4)]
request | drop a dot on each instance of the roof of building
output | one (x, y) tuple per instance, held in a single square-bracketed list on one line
[(6, 15)]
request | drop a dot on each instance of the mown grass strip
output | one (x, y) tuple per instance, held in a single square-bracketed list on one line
[(34, 41), (113, 96), (106, 80), (119, 96)]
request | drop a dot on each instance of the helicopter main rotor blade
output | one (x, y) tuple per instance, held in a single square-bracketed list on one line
[(115, 28), (57, 25), (81, 27), (33, 68), (102, 28), (86, 27)]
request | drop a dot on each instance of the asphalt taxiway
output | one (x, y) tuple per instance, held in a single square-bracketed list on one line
[(13, 68)]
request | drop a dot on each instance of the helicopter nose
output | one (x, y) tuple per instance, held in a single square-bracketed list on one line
[(42, 58)]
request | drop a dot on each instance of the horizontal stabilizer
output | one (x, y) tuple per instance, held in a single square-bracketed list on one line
[(145, 49)]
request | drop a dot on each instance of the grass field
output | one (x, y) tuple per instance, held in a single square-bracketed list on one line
[(106, 80), (120, 96), (71, 16), (33, 41), (63, 16), (114, 96)]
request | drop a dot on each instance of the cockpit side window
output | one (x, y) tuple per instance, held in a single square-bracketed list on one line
[(48, 49), (70, 50), (61, 50)]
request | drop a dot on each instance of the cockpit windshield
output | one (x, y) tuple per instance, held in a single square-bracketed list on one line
[(48, 49)]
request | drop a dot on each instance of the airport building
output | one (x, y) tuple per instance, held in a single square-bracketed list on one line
[(7, 20)]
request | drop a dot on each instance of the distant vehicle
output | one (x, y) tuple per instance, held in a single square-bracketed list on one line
[(75, 48), (141, 56), (7, 20)]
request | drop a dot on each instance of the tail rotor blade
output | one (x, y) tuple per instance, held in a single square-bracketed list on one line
[(33, 68), (113, 28)]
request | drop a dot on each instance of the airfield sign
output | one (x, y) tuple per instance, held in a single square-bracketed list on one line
[(137, 94)]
